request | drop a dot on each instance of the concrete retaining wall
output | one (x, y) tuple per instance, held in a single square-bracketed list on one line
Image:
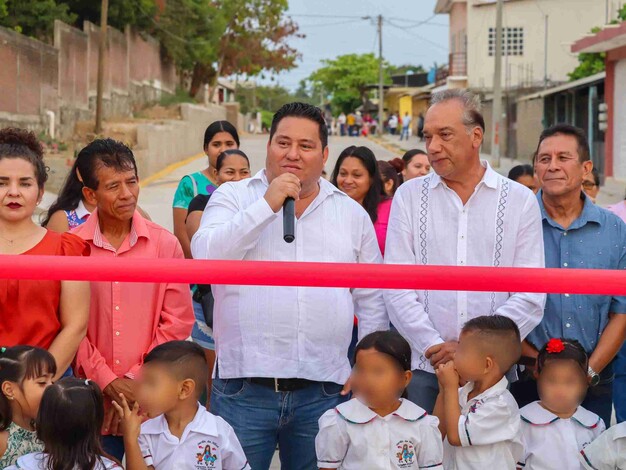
[(160, 145)]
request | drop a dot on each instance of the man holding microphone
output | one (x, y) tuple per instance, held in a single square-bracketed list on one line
[(282, 351)]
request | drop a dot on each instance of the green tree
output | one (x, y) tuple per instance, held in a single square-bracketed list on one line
[(189, 31), (403, 69), (34, 18), (262, 97), (254, 40), (348, 79), (590, 63), (211, 39), (136, 13)]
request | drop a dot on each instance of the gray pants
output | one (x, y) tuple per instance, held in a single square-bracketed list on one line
[(423, 390)]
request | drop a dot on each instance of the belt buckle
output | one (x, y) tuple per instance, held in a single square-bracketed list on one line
[(276, 385)]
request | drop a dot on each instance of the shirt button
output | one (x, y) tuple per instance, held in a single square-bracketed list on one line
[(567, 325), (565, 264), (566, 295), (117, 361), (462, 262), (117, 307), (117, 333), (116, 283), (565, 234)]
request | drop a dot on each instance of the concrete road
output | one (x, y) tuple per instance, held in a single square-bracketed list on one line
[(156, 197)]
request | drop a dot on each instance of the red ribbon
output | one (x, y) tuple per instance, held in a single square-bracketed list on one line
[(572, 281)]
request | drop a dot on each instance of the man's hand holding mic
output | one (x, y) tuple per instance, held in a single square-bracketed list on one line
[(282, 187)]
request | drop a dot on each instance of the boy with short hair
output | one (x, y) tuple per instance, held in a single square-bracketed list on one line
[(181, 432), (481, 421)]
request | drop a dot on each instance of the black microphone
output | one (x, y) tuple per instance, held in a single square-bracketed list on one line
[(289, 217)]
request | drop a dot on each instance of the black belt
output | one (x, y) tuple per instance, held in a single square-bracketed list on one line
[(282, 385)]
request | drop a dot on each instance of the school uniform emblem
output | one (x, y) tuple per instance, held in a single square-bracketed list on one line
[(405, 454), (207, 455)]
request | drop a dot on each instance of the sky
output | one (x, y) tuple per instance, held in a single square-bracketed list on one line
[(336, 27)]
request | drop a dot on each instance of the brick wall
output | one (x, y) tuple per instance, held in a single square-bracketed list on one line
[(36, 77)]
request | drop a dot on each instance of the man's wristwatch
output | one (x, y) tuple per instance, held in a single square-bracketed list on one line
[(594, 376)]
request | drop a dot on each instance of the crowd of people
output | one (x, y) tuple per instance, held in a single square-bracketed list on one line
[(170, 376)]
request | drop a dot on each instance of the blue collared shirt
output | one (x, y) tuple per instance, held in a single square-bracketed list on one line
[(595, 240)]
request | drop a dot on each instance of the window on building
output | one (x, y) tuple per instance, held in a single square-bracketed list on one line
[(512, 41)]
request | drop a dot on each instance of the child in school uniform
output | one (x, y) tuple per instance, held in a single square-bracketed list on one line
[(481, 420), (378, 429), (556, 427), (25, 371), (68, 423), (607, 452), (181, 432)]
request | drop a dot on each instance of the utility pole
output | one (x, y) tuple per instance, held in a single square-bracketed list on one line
[(380, 126), (545, 53), (496, 116), (102, 51)]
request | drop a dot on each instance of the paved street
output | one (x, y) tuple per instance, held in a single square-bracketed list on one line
[(156, 198)]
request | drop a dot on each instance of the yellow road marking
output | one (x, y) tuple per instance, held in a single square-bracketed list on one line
[(169, 169)]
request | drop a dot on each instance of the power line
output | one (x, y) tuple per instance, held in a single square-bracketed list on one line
[(414, 22), (421, 38), (322, 25)]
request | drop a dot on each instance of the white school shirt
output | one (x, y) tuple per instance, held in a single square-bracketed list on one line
[(607, 452), (489, 430), (288, 332), (551, 442), (39, 461), (208, 442), (353, 437), (499, 226)]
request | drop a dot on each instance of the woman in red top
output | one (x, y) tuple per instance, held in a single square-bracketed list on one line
[(48, 314)]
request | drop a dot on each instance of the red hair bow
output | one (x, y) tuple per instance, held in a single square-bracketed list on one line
[(555, 345)]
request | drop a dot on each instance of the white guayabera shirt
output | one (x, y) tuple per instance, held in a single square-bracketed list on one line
[(288, 332), (500, 225)]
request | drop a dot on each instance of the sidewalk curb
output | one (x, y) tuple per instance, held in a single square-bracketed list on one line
[(387, 145), (169, 169)]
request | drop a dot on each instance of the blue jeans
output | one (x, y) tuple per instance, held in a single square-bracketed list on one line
[(263, 418), (423, 390), (405, 133), (619, 385), (201, 334)]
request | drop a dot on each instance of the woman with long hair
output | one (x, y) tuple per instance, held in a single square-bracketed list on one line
[(52, 315)]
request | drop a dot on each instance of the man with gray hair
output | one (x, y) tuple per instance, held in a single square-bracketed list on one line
[(463, 214)]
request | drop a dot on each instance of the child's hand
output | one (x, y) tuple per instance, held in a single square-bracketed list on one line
[(447, 375), (130, 418)]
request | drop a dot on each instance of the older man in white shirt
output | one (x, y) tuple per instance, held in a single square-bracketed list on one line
[(463, 214), (282, 351)]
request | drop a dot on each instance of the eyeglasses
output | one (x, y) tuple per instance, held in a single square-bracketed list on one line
[(589, 185)]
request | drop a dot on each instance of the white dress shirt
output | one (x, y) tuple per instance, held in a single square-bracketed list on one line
[(607, 452), (353, 437), (500, 225), (208, 442), (489, 430), (551, 442), (288, 332)]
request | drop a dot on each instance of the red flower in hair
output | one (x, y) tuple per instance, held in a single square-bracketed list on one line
[(555, 345)]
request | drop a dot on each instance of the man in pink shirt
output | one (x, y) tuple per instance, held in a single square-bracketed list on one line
[(127, 320)]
